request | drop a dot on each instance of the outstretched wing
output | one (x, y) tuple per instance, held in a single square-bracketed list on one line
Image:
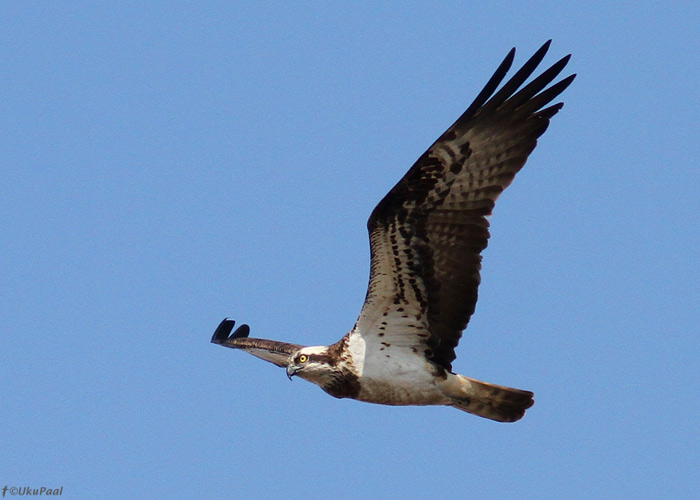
[(269, 350), (427, 234)]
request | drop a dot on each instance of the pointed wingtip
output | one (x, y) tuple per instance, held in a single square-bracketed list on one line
[(545, 46), (540, 52), (223, 331)]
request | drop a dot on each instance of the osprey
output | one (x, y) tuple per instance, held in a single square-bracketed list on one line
[(426, 238)]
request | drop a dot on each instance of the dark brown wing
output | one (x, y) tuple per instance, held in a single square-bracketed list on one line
[(428, 232), (269, 350)]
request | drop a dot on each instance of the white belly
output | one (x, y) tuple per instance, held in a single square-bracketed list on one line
[(400, 379), (394, 373)]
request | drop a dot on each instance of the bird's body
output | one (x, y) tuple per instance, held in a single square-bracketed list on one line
[(392, 375), (426, 239)]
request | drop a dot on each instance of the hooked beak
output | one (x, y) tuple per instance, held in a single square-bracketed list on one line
[(291, 371)]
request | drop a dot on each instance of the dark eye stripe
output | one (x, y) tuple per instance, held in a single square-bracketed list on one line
[(318, 358)]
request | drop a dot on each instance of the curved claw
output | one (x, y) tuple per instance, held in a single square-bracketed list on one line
[(221, 335)]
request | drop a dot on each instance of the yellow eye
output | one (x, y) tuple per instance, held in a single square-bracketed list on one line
[(303, 358)]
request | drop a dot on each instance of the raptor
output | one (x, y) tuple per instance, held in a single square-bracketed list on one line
[(426, 239)]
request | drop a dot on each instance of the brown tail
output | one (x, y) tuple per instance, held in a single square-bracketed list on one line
[(503, 404)]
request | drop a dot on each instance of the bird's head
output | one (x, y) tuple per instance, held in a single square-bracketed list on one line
[(314, 364)]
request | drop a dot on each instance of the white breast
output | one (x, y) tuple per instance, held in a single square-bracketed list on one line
[(393, 374)]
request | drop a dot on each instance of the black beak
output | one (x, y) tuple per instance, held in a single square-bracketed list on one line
[(291, 371)]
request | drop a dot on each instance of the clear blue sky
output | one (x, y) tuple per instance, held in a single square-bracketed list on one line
[(166, 164)]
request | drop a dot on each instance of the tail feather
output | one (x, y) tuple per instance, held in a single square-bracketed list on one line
[(496, 402)]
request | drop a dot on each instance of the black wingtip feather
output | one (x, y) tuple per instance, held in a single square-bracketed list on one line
[(491, 86), (241, 332), (221, 335), (491, 98), (546, 96), (519, 77), (539, 83)]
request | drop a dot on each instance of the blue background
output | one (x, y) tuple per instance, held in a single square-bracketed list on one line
[(166, 164)]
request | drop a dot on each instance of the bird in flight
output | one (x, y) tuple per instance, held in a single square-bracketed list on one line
[(426, 238)]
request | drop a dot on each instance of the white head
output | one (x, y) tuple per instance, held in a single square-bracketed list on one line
[(315, 364)]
